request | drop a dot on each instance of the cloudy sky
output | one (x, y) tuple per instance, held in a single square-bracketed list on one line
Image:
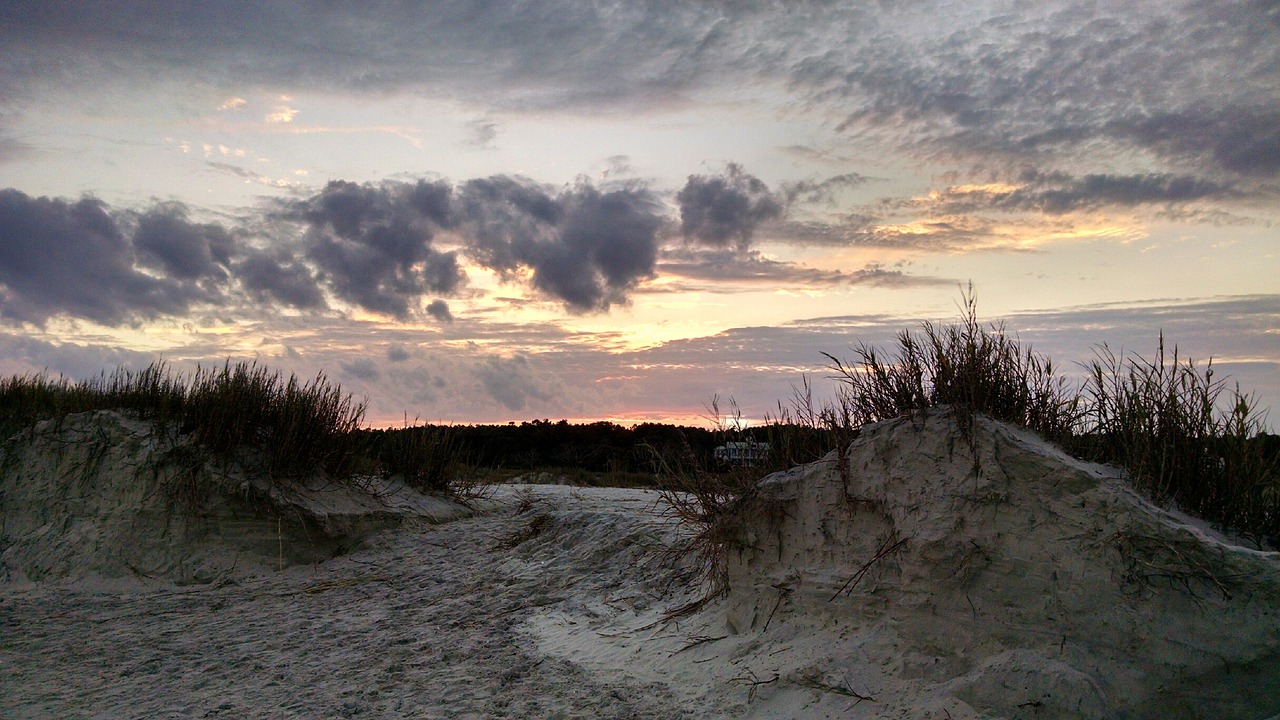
[(491, 211)]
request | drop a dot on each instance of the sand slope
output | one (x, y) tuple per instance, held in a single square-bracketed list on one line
[(104, 495), (908, 587), (932, 581)]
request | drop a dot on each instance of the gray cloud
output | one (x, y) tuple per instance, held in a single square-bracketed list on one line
[(482, 132), (1191, 86), (372, 243), (279, 278), (1057, 193), (719, 210), (166, 240), (12, 149), (21, 354), (586, 247), (544, 54), (85, 260), (957, 233), (59, 256), (813, 191), (1243, 139), (397, 353), (439, 310), (510, 381)]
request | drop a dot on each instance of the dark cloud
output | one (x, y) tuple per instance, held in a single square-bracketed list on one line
[(362, 369), (85, 260), (726, 209), (586, 247), (1059, 193), (75, 258), (543, 54), (1243, 139), (277, 278), (397, 353), (1194, 84), (945, 233), (482, 132), (12, 149), (372, 243), (167, 241), (439, 310), (24, 354), (1187, 89)]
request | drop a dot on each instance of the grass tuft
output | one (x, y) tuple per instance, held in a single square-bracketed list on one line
[(425, 457), (971, 367)]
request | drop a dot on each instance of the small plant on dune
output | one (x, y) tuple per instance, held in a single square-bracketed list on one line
[(426, 458), (805, 431), (713, 506), (712, 500)]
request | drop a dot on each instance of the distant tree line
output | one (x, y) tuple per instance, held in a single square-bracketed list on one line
[(595, 447)]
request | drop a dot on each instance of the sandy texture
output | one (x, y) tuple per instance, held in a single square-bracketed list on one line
[(104, 495), (421, 624), (909, 587)]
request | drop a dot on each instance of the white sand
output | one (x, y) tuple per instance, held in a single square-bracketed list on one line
[(1014, 595)]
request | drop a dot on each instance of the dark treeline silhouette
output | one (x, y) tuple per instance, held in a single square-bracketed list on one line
[(602, 447)]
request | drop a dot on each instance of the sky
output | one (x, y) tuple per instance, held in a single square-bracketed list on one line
[(478, 212)]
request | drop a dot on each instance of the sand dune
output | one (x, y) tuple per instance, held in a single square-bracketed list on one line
[(910, 586)]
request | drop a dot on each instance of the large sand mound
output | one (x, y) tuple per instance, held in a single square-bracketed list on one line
[(102, 494), (933, 579)]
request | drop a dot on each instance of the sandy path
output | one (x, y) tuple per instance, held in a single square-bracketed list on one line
[(424, 625)]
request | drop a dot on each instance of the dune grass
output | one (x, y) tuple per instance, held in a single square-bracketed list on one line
[(299, 427), (425, 457), (968, 366), (1184, 436)]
